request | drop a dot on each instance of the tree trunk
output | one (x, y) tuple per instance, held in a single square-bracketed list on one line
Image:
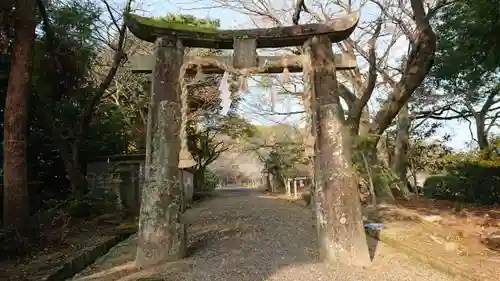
[(312, 191), (338, 209), (16, 208), (482, 139), (370, 167), (388, 150), (268, 183), (482, 135), (199, 178), (72, 165), (278, 181), (366, 150), (400, 165), (162, 234), (417, 66), (378, 173)]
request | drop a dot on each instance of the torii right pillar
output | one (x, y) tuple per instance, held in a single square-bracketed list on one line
[(340, 228)]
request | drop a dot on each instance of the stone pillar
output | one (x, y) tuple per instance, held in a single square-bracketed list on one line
[(92, 180), (162, 234), (115, 186), (127, 189), (134, 184), (187, 179)]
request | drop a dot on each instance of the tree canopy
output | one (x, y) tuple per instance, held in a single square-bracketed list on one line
[(468, 38)]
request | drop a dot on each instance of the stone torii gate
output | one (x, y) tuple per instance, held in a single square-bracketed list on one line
[(162, 230)]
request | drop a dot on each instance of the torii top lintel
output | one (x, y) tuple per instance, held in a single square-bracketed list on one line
[(149, 29)]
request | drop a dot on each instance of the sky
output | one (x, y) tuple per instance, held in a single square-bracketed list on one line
[(258, 99)]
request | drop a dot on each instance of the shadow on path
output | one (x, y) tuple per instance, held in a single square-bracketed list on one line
[(242, 235)]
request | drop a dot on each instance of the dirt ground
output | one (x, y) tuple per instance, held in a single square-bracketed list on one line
[(41, 261), (244, 235), (458, 233), (451, 231), (441, 230), (467, 224)]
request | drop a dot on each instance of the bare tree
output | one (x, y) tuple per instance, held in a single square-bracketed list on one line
[(395, 31), (478, 104)]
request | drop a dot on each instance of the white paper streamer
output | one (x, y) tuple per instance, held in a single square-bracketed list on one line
[(225, 94)]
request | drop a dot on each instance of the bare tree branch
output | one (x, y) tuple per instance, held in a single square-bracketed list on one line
[(356, 111), (116, 62), (299, 7)]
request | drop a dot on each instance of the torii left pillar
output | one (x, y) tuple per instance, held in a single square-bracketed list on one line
[(162, 234)]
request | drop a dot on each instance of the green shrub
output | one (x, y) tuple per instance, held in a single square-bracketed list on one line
[(211, 180), (45, 228), (49, 225), (442, 187), (469, 178), (12, 243), (96, 201)]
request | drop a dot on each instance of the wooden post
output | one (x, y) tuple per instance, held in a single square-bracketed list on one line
[(338, 210), (245, 53), (287, 187), (162, 235), (295, 189), (301, 184)]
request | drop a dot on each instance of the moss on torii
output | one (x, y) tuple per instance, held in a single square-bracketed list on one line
[(161, 23)]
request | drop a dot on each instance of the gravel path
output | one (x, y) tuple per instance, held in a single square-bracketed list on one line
[(243, 235)]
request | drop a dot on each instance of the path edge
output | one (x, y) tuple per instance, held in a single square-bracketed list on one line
[(79, 262), (435, 262)]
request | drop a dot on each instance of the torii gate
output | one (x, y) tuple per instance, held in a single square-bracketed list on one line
[(162, 231)]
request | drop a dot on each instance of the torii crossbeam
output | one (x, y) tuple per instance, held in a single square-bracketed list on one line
[(275, 64)]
